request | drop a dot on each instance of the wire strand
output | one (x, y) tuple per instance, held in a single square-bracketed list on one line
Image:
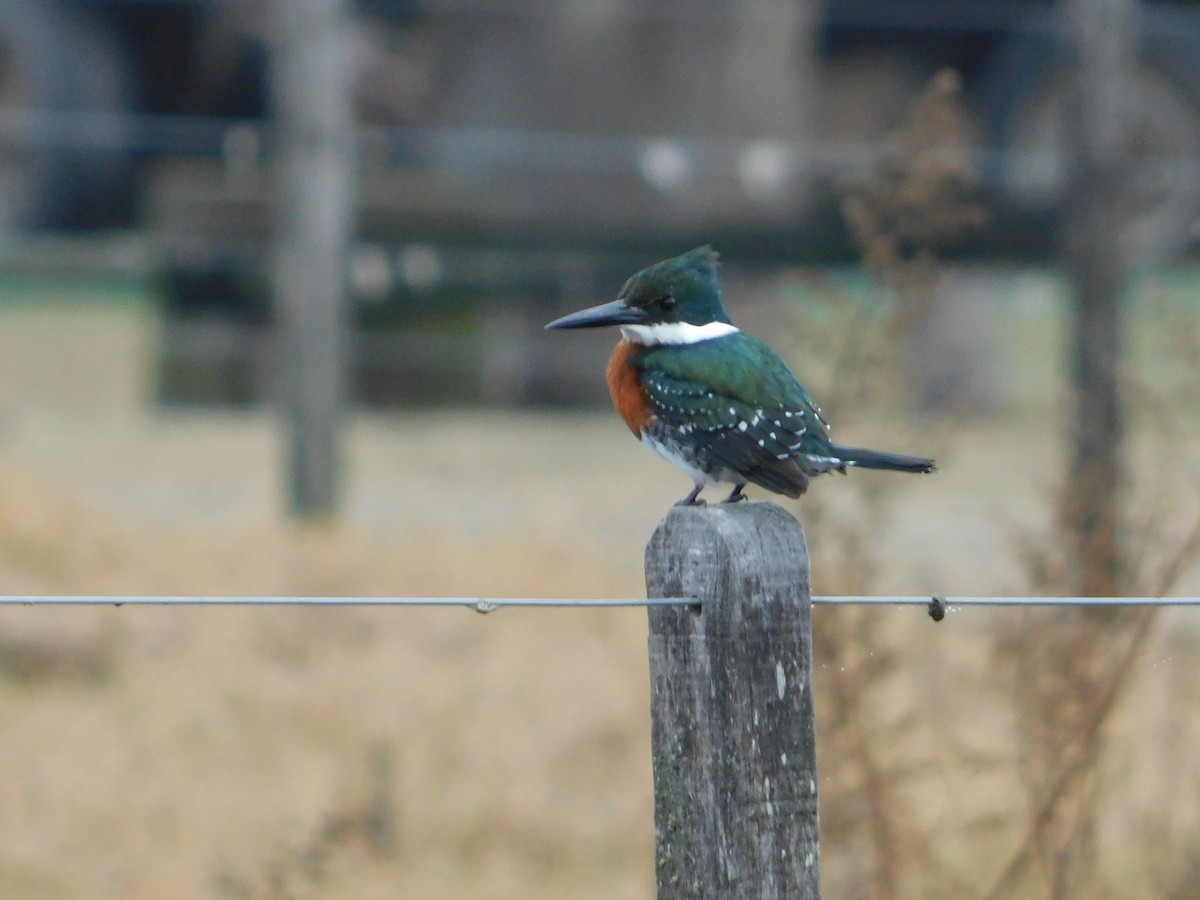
[(490, 604)]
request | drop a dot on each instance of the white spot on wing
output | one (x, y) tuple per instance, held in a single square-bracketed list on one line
[(780, 680)]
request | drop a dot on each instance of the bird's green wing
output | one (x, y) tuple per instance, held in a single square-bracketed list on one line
[(736, 397), (738, 365)]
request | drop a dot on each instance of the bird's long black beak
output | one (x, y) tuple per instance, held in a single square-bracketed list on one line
[(618, 312)]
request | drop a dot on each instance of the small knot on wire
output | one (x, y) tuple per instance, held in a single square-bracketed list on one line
[(937, 608), (483, 606)]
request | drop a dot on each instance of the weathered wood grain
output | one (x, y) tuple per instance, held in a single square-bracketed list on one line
[(733, 733)]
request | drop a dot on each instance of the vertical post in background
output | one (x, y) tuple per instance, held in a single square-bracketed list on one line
[(314, 148), (1102, 37), (733, 728)]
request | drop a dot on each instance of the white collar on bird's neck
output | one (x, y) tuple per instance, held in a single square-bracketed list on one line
[(675, 333)]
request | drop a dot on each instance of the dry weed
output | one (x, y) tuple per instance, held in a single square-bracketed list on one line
[(1065, 675)]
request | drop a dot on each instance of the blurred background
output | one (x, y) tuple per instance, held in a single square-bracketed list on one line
[(273, 277)]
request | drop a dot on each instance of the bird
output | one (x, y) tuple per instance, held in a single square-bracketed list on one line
[(712, 399)]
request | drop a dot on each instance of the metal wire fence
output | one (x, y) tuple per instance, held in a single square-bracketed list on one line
[(936, 605)]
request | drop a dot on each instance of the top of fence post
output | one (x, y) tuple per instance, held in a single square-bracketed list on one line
[(733, 730)]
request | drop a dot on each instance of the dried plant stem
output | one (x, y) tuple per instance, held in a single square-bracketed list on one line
[(1081, 763), (876, 783), (1184, 555)]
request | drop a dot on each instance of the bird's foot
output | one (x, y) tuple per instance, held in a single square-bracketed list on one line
[(736, 495), (693, 499)]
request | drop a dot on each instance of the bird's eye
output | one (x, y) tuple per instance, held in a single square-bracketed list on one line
[(668, 302)]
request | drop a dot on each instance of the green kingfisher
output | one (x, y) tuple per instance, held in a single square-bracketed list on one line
[(717, 402)]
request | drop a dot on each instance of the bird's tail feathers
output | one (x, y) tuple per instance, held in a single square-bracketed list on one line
[(879, 459)]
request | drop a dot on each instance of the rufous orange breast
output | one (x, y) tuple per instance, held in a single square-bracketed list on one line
[(626, 390)]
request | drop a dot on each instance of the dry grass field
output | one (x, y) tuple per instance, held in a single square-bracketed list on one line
[(371, 753)]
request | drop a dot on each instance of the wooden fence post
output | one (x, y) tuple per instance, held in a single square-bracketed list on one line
[(733, 733), (312, 89)]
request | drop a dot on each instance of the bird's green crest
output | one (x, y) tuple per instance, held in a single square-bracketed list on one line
[(688, 282)]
